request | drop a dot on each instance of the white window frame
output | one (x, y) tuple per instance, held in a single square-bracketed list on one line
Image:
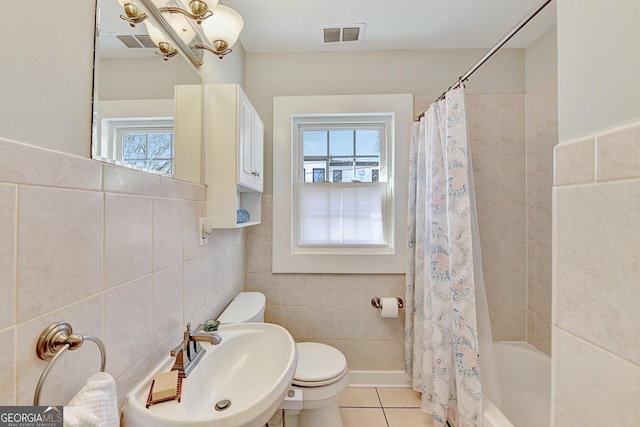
[(288, 257), (114, 128)]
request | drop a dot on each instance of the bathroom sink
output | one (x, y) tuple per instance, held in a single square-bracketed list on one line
[(252, 368)]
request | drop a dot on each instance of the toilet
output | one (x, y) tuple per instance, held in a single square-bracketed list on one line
[(322, 374)]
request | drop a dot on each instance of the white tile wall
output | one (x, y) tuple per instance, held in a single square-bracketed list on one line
[(59, 248), (574, 163), (542, 137), (168, 240), (8, 366), (596, 360), (110, 250), (128, 323), (597, 273), (128, 238), (587, 376), (336, 309), (7, 252)]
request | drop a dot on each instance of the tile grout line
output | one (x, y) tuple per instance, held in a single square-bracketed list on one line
[(384, 413)]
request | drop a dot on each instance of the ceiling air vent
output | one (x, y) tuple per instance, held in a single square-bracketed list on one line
[(136, 41), (342, 34)]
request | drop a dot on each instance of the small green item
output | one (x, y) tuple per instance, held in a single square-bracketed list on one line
[(211, 325)]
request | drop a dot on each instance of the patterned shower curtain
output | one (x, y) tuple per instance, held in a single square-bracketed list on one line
[(442, 349)]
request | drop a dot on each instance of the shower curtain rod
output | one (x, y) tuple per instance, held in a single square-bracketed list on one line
[(463, 78)]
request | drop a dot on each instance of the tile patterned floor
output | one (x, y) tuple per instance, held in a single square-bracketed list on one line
[(382, 407)]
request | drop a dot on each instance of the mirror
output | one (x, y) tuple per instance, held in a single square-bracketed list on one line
[(134, 105)]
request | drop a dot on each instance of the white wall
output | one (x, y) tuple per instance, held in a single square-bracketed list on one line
[(598, 56), (402, 71), (541, 60), (143, 78), (46, 73)]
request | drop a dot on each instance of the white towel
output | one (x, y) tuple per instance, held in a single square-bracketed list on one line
[(95, 405)]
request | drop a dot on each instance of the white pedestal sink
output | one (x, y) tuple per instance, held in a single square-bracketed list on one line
[(252, 368)]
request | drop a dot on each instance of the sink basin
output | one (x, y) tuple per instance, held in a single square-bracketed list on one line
[(252, 368)]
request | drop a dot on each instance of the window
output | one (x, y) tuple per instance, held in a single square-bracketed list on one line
[(145, 143), (342, 193), (340, 167), (149, 149)]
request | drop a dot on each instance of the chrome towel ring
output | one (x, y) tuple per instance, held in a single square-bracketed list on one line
[(53, 342)]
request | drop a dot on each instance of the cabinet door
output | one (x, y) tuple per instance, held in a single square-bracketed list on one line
[(246, 115), (258, 153)]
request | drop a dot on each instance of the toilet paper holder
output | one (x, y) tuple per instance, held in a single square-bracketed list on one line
[(375, 301)]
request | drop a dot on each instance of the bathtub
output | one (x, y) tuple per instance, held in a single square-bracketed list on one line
[(524, 374)]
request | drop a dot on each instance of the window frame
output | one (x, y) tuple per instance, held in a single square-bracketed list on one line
[(109, 148), (325, 259)]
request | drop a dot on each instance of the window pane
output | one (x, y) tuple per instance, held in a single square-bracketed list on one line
[(362, 216), (134, 146), (341, 143), (367, 142), (318, 175), (314, 143), (311, 166), (152, 151), (160, 146), (320, 218), (164, 166), (341, 169), (341, 215), (138, 163)]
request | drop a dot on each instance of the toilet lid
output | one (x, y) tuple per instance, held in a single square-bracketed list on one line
[(318, 362)]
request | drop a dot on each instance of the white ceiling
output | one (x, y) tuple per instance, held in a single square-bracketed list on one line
[(296, 25)]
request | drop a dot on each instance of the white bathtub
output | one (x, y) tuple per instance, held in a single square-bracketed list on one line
[(525, 384)]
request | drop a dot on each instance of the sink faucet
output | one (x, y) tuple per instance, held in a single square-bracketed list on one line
[(189, 352)]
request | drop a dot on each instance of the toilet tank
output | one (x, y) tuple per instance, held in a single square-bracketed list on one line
[(246, 307)]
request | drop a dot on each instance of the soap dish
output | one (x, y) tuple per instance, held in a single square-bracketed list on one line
[(177, 396)]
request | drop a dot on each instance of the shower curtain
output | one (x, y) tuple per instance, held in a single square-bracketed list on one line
[(446, 301)]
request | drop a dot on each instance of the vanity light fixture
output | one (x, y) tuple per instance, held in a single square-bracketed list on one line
[(133, 14), (220, 24), (222, 30), (200, 10), (166, 49)]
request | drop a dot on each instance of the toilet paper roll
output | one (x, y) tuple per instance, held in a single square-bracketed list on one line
[(389, 307)]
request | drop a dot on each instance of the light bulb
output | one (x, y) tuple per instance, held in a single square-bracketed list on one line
[(199, 7), (155, 34), (181, 26), (225, 25), (161, 3)]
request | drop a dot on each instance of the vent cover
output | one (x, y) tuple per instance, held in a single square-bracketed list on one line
[(342, 34), (136, 41)]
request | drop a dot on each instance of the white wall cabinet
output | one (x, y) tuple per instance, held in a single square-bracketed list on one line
[(233, 155), (251, 144)]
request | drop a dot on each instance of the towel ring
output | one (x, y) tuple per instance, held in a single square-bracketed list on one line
[(53, 342)]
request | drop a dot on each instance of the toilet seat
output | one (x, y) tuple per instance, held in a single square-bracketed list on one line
[(318, 365)]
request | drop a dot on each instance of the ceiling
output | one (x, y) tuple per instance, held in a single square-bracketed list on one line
[(296, 25)]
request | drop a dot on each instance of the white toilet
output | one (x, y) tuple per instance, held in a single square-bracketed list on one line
[(322, 373)]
